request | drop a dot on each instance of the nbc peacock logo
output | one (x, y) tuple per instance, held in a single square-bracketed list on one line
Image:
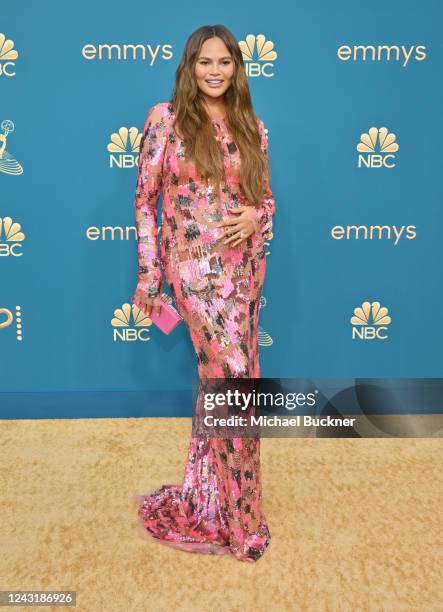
[(124, 147), (370, 322), (11, 237), (376, 149), (8, 164), (258, 55), (8, 55), (130, 324)]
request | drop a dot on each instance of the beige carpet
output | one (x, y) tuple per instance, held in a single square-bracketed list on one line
[(356, 524)]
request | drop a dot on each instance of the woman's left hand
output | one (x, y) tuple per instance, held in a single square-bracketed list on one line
[(241, 227)]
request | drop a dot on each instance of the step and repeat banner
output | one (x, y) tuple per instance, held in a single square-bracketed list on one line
[(350, 95)]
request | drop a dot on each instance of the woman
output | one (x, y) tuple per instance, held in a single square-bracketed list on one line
[(216, 216)]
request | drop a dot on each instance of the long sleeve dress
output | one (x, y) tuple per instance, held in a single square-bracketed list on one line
[(216, 288)]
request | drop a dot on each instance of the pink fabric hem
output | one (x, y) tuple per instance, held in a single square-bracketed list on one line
[(210, 548)]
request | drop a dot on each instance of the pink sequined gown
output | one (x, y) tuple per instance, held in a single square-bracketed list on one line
[(216, 288)]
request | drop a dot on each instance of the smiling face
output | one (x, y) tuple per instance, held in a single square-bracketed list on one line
[(214, 68)]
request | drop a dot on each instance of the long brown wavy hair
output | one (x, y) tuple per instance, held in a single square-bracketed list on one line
[(193, 124)]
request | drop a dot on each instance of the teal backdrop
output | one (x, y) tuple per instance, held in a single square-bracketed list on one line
[(63, 276)]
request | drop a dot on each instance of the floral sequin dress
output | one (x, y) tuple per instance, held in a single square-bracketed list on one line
[(216, 288)]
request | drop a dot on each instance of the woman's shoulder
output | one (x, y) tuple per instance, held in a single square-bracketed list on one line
[(161, 116), (161, 110)]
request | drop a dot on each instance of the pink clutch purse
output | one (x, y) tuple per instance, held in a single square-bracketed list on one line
[(168, 319)]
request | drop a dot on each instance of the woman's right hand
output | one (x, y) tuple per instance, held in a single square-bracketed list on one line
[(146, 304)]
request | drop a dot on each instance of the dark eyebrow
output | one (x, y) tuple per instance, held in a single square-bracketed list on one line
[(222, 58)]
